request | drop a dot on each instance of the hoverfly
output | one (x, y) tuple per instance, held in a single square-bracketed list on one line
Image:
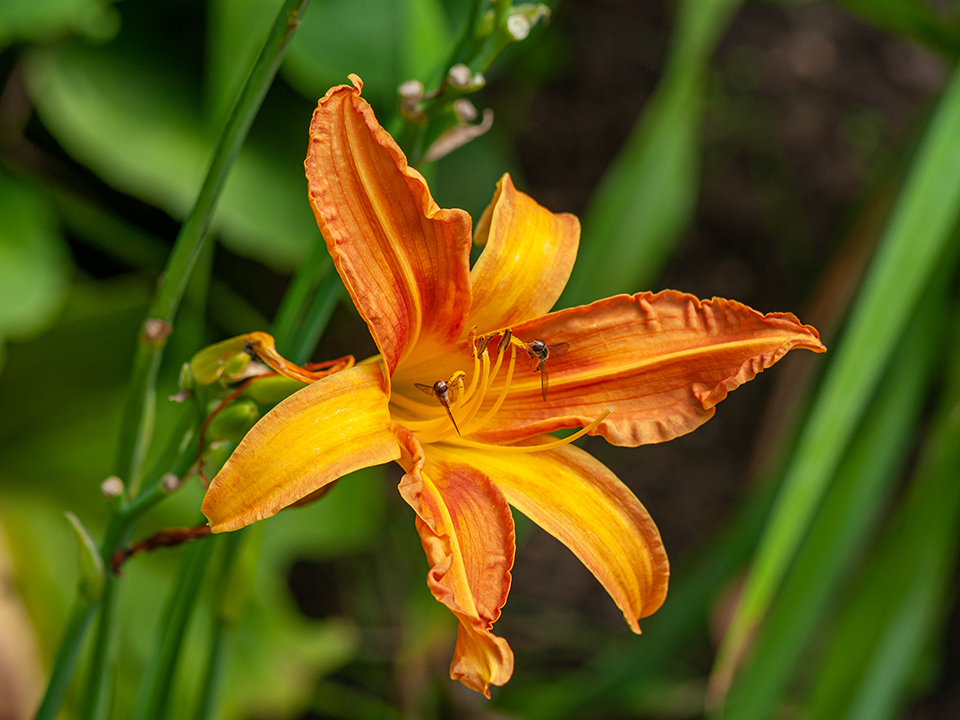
[(444, 391), (539, 352)]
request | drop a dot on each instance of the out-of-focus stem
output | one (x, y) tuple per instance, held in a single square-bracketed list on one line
[(137, 416)]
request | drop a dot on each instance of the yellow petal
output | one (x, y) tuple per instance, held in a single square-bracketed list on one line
[(404, 261), (580, 502), (467, 533), (526, 262), (660, 361), (318, 434)]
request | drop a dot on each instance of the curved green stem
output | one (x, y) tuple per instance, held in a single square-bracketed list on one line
[(137, 414), (137, 419)]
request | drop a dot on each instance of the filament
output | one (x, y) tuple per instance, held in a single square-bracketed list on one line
[(534, 448)]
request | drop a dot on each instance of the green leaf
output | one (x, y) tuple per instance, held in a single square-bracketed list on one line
[(914, 20), (911, 248), (647, 198), (846, 521), (383, 41), (236, 31), (92, 571), (132, 124), (34, 264), (899, 601), (44, 20)]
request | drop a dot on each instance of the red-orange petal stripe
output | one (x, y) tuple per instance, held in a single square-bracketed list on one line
[(526, 261), (660, 361), (320, 433), (467, 533), (404, 260)]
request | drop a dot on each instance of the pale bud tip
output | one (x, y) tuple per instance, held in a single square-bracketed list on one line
[(169, 483), (411, 91), (111, 487), (518, 26), (156, 330), (459, 76)]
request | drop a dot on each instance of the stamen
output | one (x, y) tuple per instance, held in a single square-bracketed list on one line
[(503, 393), (414, 406), (477, 399), (533, 448)]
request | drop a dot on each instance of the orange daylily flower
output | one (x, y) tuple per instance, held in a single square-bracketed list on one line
[(639, 369)]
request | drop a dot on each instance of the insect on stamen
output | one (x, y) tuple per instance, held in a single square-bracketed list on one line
[(446, 392)]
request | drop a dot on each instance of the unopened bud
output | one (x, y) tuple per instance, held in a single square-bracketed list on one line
[(518, 26), (170, 483), (460, 76), (233, 422), (111, 487), (411, 91), (465, 110), (156, 330)]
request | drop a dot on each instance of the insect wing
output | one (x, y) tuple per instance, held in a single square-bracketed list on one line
[(558, 350), (544, 380), (428, 389)]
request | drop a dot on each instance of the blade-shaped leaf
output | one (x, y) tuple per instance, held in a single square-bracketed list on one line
[(647, 197), (911, 248)]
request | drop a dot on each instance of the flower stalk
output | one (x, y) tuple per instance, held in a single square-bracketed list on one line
[(137, 418)]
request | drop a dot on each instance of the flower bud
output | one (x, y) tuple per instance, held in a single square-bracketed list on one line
[(111, 487), (233, 422)]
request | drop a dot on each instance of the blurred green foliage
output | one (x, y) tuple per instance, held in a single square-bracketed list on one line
[(109, 114)]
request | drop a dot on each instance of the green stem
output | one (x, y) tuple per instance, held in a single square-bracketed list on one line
[(137, 420), (178, 460), (67, 656), (96, 700), (473, 17), (152, 701), (222, 622), (137, 414), (325, 301), (289, 317)]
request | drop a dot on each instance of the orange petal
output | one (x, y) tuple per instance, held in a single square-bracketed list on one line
[(404, 260), (467, 533), (660, 361), (526, 262), (580, 502), (318, 434)]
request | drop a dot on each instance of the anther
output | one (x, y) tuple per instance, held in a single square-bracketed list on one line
[(504, 341)]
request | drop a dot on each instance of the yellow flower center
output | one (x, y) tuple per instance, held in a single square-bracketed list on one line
[(467, 401)]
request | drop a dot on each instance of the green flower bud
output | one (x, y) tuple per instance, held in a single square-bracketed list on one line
[(268, 391), (233, 422)]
